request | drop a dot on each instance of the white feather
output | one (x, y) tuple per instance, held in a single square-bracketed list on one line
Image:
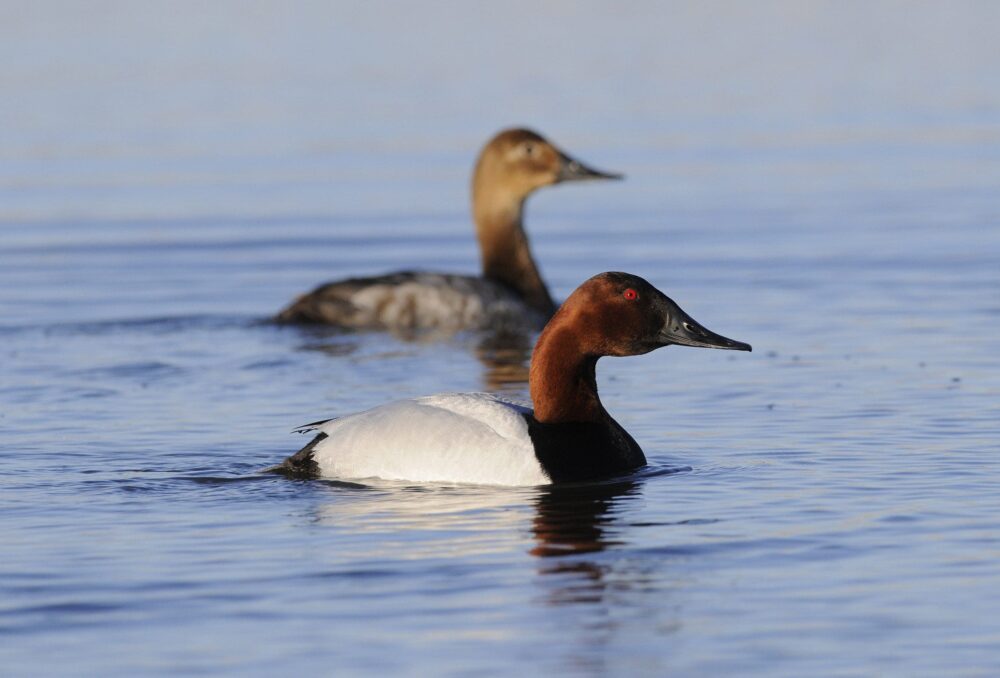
[(454, 437)]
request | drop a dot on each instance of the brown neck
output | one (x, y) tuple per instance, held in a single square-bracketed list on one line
[(563, 379), (504, 248)]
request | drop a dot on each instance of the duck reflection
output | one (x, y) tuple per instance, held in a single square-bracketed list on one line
[(565, 520), (505, 357), (573, 525), (331, 341), (576, 519), (338, 349)]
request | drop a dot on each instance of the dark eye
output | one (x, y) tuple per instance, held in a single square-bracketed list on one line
[(529, 149), (630, 294)]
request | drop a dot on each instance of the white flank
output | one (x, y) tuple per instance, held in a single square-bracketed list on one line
[(452, 438)]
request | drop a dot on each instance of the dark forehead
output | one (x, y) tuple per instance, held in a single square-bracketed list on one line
[(517, 136), (619, 280)]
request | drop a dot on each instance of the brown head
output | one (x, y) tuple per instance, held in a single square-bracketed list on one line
[(514, 164), (612, 314)]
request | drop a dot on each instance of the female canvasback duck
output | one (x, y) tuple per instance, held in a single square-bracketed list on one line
[(481, 438), (509, 294)]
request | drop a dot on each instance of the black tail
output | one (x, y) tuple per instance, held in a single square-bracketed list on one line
[(301, 464)]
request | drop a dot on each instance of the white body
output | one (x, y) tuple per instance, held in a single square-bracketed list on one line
[(451, 438)]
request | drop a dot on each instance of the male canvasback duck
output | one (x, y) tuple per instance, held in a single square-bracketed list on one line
[(482, 438), (509, 294)]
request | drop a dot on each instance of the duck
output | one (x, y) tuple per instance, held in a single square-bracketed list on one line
[(509, 294), (482, 438)]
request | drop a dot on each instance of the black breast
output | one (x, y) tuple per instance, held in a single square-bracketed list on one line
[(584, 451)]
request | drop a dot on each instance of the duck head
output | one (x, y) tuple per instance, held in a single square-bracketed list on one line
[(620, 314), (612, 314), (516, 162)]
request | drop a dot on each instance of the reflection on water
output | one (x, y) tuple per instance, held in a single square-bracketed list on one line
[(334, 349), (577, 519), (585, 571), (505, 357), (450, 519), (569, 520)]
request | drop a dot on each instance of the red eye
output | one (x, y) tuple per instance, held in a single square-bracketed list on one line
[(631, 294)]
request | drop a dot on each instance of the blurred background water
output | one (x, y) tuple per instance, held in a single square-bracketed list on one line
[(819, 179)]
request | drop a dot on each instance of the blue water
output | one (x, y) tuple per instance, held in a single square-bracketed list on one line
[(817, 179)]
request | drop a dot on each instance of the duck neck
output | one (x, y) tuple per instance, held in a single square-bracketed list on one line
[(506, 254), (563, 379)]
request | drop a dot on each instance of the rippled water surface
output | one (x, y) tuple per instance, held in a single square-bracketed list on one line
[(818, 179)]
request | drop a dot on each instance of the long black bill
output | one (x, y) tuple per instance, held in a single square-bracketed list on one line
[(571, 169), (684, 330)]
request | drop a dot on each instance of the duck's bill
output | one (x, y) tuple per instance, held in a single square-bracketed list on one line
[(683, 330), (571, 169)]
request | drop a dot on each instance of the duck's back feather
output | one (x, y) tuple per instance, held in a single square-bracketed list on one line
[(413, 300), (459, 437)]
